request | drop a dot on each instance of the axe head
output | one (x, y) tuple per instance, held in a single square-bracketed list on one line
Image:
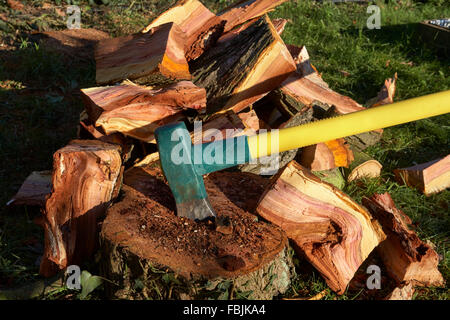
[(176, 157)]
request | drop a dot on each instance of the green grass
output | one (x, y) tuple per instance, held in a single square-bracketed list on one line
[(40, 106)]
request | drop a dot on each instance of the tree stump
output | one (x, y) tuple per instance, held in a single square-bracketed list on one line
[(149, 252)]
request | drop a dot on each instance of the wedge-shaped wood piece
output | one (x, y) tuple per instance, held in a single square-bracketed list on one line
[(245, 10), (201, 26), (305, 86), (238, 72), (86, 177), (34, 189), (335, 233), (406, 257), (386, 94), (327, 155), (363, 167), (155, 55), (431, 177), (137, 111)]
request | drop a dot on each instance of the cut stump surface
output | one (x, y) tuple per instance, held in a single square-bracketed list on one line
[(142, 230)]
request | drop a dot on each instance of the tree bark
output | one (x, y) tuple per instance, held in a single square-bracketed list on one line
[(407, 258), (334, 233), (86, 177), (137, 111), (144, 241), (431, 177), (157, 55), (238, 72)]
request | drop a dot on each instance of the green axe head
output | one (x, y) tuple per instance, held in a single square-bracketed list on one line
[(184, 165)]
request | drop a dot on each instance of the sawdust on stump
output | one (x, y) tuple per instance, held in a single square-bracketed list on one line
[(234, 255)]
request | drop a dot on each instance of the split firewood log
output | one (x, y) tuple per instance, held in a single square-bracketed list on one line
[(228, 125), (201, 26), (238, 72), (34, 189), (305, 86), (86, 177), (142, 238), (304, 66), (406, 257), (431, 177), (87, 130), (137, 111), (386, 94), (278, 24), (245, 10), (157, 55), (363, 166), (327, 155), (334, 233), (402, 292), (271, 164)]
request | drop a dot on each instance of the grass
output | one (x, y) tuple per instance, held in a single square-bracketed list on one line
[(40, 106)]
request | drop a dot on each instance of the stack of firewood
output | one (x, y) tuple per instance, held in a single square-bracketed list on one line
[(232, 71)]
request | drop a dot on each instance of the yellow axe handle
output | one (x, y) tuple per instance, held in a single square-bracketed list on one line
[(349, 124)]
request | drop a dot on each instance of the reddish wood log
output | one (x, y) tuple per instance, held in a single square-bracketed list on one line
[(86, 177), (158, 54), (402, 292), (278, 24), (327, 155), (334, 233), (245, 10), (431, 177), (305, 86), (238, 72), (363, 167), (228, 125), (201, 26), (137, 111), (406, 257), (34, 189)]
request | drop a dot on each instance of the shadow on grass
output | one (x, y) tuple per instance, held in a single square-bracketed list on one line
[(408, 36)]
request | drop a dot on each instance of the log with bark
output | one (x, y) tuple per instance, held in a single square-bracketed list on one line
[(156, 56), (271, 164), (238, 72), (327, 155), (201, 26), (431, 177), (407, 258), (334, 233), (137, 111), (173, 257), (86, 177), (363, 166), (34, 189)]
